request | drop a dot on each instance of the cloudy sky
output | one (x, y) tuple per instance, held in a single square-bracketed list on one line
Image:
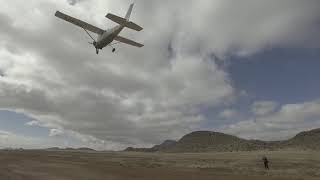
[(248, 68)]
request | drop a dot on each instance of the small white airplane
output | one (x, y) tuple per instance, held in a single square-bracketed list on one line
[(106, 37)]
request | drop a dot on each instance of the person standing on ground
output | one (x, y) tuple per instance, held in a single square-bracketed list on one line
[(265, 162)]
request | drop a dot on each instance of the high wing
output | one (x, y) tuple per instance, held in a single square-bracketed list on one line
[(128, 41), (79, 23)]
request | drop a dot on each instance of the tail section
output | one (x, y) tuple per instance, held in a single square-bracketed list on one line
[(133, 26), (129, 12), (128, 41), (116, 19), (125, 21)]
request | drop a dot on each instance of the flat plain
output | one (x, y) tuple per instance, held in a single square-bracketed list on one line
[(91, 165)]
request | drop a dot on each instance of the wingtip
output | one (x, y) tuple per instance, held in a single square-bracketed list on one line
[(57, 13)]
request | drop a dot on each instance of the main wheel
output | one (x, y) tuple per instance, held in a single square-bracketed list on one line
[(97, 51), (113, 50)]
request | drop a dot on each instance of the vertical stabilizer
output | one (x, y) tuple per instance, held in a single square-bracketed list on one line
[(129, 12)]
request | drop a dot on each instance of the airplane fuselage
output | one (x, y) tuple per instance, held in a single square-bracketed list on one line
[(105, 37), (108, 36)]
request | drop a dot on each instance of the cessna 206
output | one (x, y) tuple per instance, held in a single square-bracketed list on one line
[(106, 37)]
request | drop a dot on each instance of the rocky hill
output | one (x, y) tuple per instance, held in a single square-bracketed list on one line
[(206, 141), (166, 145), (305, 140)]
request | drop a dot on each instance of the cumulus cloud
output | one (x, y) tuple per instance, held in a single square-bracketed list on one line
[(282, 124), (73, 2), (33, 123), (228, 114), (263, 107), (56, 132), (67, 139), (136, 96), (12, 140)]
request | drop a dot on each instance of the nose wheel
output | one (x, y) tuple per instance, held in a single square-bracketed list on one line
[(113, 50), (97, 51)]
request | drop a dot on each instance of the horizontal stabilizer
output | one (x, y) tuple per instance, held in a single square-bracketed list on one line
[(116, 18), (123, 21), (79, 23), (128, 41), (133, 26)]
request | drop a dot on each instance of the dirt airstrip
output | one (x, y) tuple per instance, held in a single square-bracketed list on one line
[(61, 165)]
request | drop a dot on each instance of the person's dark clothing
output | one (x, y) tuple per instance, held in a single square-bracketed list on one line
[(265, 162)]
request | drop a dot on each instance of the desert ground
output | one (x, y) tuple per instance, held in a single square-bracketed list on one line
[(61, 165)]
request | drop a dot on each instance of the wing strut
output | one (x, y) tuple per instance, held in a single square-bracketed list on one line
[(89, 34), (94, 41)]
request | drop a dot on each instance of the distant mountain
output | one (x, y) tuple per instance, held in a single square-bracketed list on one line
[(85, 149), (167, 144), (206, 141), (132, 149), (70, 149), (53, 149)]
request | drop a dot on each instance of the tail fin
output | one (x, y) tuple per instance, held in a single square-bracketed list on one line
[(129, 12)]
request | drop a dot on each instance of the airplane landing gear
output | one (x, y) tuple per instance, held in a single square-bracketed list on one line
[(97, 51), (113, 50)]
